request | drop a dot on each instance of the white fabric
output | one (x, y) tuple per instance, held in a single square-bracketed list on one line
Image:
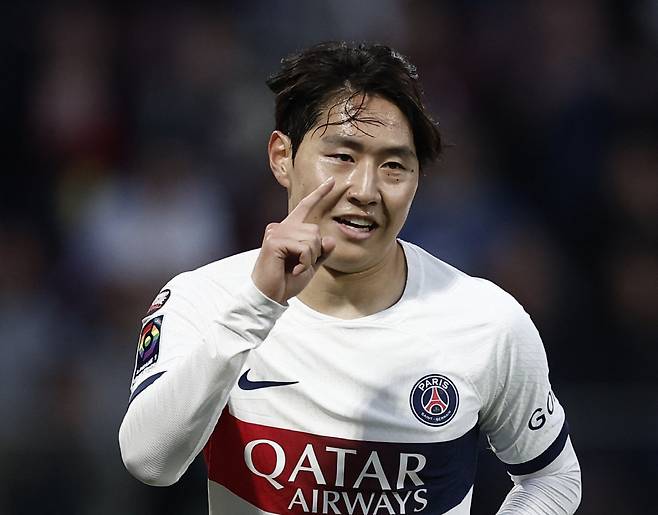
[(554, 490), (167, 425), (354, 380)]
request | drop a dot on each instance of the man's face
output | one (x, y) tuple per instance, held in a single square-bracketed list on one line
[(374, 164)]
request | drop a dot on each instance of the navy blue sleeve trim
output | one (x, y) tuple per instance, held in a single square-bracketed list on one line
[(544, 458), (145, 384)]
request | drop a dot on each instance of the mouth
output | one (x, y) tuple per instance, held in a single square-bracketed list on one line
[(357, 223)]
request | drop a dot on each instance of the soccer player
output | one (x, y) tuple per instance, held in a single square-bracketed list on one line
[(338, 369)]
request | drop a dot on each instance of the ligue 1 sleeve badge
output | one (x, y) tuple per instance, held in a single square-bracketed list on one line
[(434, 400), (148, 347)]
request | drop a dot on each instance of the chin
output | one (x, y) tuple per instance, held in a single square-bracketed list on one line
[(350, 259)]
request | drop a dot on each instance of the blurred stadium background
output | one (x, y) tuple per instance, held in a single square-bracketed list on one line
[(136, 148)]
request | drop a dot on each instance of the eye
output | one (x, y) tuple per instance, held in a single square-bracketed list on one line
[(394, 165), (345, 158)]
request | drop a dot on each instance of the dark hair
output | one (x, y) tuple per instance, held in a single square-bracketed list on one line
[(336, 71)]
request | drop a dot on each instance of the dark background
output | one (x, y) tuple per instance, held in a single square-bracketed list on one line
[(136, 148)]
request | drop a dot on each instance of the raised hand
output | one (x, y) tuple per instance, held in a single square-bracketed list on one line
[(292, 250)]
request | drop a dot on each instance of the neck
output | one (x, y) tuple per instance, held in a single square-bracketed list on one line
[(358, 294)]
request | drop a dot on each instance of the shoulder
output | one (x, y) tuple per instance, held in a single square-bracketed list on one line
[(225, 273), (462, 295), (207, 287)]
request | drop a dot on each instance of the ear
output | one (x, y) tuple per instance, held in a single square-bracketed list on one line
[(279, 149)]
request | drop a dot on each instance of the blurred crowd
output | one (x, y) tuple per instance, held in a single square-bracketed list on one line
[(136, 149)]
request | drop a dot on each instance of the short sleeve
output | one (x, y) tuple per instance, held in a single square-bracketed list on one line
[(172, 327), (523, 420)]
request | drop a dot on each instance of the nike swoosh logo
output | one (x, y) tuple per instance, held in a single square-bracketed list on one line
[(245, 384)]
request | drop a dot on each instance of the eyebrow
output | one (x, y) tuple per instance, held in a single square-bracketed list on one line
[(400, 150)]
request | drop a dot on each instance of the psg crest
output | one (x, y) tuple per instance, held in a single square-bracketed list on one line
[(434, 400)]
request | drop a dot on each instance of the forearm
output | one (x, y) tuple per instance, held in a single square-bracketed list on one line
[(167, 425), (554, 490), (169, 422)]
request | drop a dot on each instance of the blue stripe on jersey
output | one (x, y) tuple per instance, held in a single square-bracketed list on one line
[(143, 385), (452, 470), (545, 458)]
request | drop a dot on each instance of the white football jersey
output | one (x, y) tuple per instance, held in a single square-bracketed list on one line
[(376, 415)]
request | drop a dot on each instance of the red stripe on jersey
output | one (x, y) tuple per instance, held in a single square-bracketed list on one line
[(285, 471)]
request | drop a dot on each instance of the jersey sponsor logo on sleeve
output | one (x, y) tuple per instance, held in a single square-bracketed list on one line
[(538, 417), (159, 301), (148, 346), (434, 400)]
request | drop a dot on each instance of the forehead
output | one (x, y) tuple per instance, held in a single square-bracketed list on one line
[(370, 119)]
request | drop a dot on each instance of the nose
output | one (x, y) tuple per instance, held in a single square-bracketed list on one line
[(362, 184)]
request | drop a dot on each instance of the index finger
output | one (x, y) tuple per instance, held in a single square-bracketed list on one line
[(305, 205)]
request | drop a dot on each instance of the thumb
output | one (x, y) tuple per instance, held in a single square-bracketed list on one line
[(328, 246)]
